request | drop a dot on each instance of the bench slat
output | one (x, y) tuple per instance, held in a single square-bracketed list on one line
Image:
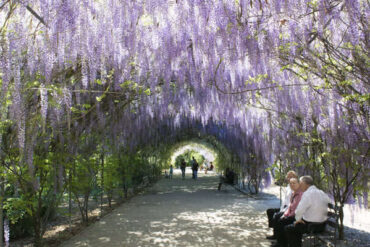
[(332, 224), (332, 215)]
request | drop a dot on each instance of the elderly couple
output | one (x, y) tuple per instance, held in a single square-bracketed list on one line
[(302, 205)]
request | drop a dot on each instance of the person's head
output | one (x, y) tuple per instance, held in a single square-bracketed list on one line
[(291, 174), (305, 182), (294, 184)]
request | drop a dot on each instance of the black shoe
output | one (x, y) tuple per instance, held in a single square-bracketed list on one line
[(272, 237), (276, 245)]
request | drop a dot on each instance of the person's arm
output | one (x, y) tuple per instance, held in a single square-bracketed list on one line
[(327, 198), (302, 207), (287, 212), (286, 199)]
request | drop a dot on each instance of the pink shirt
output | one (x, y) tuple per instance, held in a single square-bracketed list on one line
[(294, 201)]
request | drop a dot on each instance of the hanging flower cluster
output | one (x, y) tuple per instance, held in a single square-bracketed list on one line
[(274, 80)]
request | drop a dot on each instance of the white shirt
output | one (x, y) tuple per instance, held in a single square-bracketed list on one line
[(313, 206), (286, 199)]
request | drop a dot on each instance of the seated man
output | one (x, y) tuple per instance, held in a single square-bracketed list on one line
[(211, 166), (228, 178), (288, 216), (313, 208), (273, 214)]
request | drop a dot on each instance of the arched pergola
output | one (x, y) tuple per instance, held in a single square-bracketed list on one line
[(89, 88)]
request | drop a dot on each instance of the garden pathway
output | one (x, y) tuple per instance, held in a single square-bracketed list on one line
[(183, 213)]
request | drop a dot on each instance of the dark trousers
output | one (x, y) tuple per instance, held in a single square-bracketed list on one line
[(293, 233), (273, 214), (279, 225), (222, 181)]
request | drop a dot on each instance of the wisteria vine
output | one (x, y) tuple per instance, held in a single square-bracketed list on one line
[(278, 82)]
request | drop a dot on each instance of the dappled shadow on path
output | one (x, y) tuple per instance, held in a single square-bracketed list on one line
[(182, 213)]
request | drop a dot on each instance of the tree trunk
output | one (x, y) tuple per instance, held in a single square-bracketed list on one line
[(82, 207), (124, 185), (102, 183), (341, 225), (37, 216), (256, 185), (1, 211), (110, 195), (86, 208), (70, 198), (125, 190), (37, 227)]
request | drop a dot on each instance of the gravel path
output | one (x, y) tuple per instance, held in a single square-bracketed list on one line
[(182, 213), (191, 213)]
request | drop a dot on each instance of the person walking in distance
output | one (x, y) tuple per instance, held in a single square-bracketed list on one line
[(171, 171), (205, 167), (195, 167), (183, 168)]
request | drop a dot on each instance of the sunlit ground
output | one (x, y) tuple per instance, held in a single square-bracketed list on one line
[(189, 213), (207, 153), (183, 213)]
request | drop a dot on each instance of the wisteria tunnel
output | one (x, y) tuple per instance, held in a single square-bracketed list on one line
[(100, 97)]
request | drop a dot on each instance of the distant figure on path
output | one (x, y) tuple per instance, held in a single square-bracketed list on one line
[(227, 178), (211, 167), (195, 167), (183, 168), (171, 171), (205, 167)]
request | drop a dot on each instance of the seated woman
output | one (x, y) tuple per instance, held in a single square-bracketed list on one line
[(274, 214), (288, 216)]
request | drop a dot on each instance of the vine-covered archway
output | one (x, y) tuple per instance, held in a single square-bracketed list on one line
[(89, 88)]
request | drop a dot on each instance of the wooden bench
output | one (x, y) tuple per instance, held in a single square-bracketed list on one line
[(224, 181), (328, 236), (144, 183)]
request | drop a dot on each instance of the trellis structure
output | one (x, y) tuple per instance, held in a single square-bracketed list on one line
[(283, 81)]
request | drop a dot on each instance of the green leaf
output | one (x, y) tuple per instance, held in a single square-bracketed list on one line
[(100, 98), (86, 106), (73, 109), (126, 84)]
